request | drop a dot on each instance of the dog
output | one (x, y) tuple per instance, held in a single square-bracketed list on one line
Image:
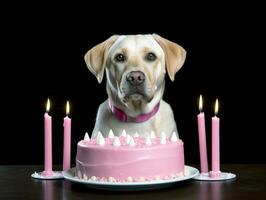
[(135, 67)]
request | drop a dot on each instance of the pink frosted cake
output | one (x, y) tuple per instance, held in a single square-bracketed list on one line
[(129, 159)]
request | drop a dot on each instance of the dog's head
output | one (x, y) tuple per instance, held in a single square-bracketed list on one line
[(135, 64)]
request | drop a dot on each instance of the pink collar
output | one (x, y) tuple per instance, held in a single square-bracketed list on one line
[(121, 115)]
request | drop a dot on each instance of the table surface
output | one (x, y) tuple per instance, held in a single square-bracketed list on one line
[(16, 183)]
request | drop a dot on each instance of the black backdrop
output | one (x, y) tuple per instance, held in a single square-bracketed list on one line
[(44, 45)]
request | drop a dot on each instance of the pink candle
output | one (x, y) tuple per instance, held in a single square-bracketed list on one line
[(215, 143), (48, 171), (202, 139), (67, 141)]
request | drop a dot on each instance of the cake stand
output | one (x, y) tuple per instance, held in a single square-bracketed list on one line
[(130, 186), (217, 176), (53, 175)]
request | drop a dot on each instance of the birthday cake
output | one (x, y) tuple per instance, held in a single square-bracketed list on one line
[(130, 158)]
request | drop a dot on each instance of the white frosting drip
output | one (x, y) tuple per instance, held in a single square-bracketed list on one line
[(111, 134), (116, 141), (99, 134), (174, 137), (124, 133), (100, 139), (163, 138), (86, 137), (132, 142), (136, 135), (148, 141), (152, 136), (128, 138)]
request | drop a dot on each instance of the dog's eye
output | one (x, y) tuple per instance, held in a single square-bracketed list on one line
[(150, 56), (120, 57)]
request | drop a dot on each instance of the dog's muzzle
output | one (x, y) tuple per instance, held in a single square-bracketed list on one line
[(135, 81), (135, 78), (135, 87)]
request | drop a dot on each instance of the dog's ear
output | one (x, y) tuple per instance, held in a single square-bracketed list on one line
[(175, 55), (96, 57)]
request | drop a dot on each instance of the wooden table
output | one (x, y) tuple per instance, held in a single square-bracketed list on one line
[(16, 183)]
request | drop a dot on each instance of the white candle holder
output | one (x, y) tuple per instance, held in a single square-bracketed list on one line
[(214, 176), (54, 175)]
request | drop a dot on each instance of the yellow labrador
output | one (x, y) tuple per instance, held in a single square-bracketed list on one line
[(135, 67)]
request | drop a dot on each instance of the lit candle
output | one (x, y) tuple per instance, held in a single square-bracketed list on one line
[(48, 171), (67, 140), (202, 139), (215, 143)]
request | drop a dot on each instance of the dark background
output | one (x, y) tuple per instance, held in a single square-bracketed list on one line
[(43, 46)]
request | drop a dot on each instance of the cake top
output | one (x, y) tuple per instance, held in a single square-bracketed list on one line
[(131, 141)]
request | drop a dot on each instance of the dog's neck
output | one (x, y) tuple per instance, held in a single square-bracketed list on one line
[(134, 109), (138, 119)]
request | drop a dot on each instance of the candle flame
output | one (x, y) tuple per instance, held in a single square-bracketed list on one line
[(216, 107), (200, 103), (48, 105), (67, 108)]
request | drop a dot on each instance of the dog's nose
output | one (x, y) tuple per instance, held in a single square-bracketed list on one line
[(135, 78)]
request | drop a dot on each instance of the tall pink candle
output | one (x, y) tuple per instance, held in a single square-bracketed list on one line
[(48, 171), (202, 139), (215, 143), (67, 141)]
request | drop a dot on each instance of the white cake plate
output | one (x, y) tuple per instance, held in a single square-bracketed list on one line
[(207, 177), (133, 186), (55, 175)]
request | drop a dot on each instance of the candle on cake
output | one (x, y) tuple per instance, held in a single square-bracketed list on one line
[(48, 171), (202, 138), (215, 143), (67, 140)]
